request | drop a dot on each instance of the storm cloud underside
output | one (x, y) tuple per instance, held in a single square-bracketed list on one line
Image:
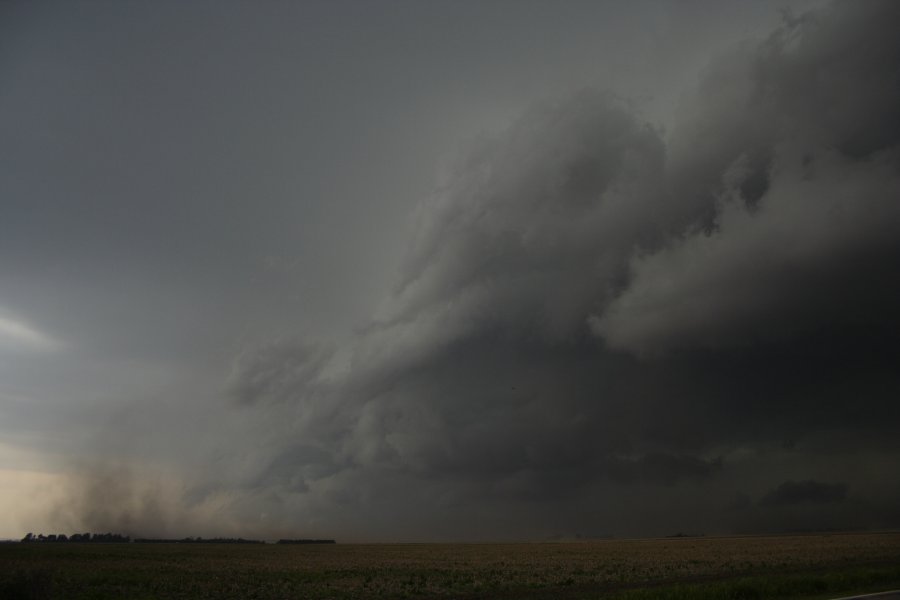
[(591, 307)]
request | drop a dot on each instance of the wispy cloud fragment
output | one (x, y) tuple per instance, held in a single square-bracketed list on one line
[(18, 335)]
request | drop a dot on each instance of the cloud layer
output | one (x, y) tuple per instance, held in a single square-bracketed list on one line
[(600, 324), (593, 311)]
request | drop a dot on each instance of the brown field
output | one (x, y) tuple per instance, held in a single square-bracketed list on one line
[(808, 566)]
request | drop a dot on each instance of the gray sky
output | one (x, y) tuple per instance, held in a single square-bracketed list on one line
[(448, 270)]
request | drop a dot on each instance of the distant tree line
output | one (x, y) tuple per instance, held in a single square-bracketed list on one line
[(107, 538), (196, 540), (94, 538)]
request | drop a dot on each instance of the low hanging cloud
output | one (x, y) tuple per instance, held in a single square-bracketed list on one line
[(817, 249), (590, 305), (805, 492)]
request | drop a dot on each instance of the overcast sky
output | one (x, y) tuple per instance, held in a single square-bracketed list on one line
[(449, 270)]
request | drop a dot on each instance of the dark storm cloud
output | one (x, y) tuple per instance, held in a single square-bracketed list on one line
[(590, 304), (600, 323), (275, 372), (789, 151), (805, 492)]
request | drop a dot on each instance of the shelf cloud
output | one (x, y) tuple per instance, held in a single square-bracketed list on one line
[(609, 316), (589, 302)]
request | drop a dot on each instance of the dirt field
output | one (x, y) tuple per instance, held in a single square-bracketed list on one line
[(813, 566)]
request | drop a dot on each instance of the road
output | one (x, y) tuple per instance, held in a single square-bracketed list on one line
[(891, 595)]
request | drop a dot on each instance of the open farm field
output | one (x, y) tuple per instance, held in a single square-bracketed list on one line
[(809, 566)]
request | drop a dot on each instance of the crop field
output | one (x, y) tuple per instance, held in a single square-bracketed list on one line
[(808, 566)]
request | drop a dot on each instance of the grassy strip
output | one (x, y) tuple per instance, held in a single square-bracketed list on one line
[(798, 586), (779, 568)]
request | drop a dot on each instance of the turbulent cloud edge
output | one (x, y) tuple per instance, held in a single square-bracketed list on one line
[(567, 281), (595, 313)]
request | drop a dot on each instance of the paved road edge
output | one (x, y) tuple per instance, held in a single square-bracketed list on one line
[(887, 594)]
